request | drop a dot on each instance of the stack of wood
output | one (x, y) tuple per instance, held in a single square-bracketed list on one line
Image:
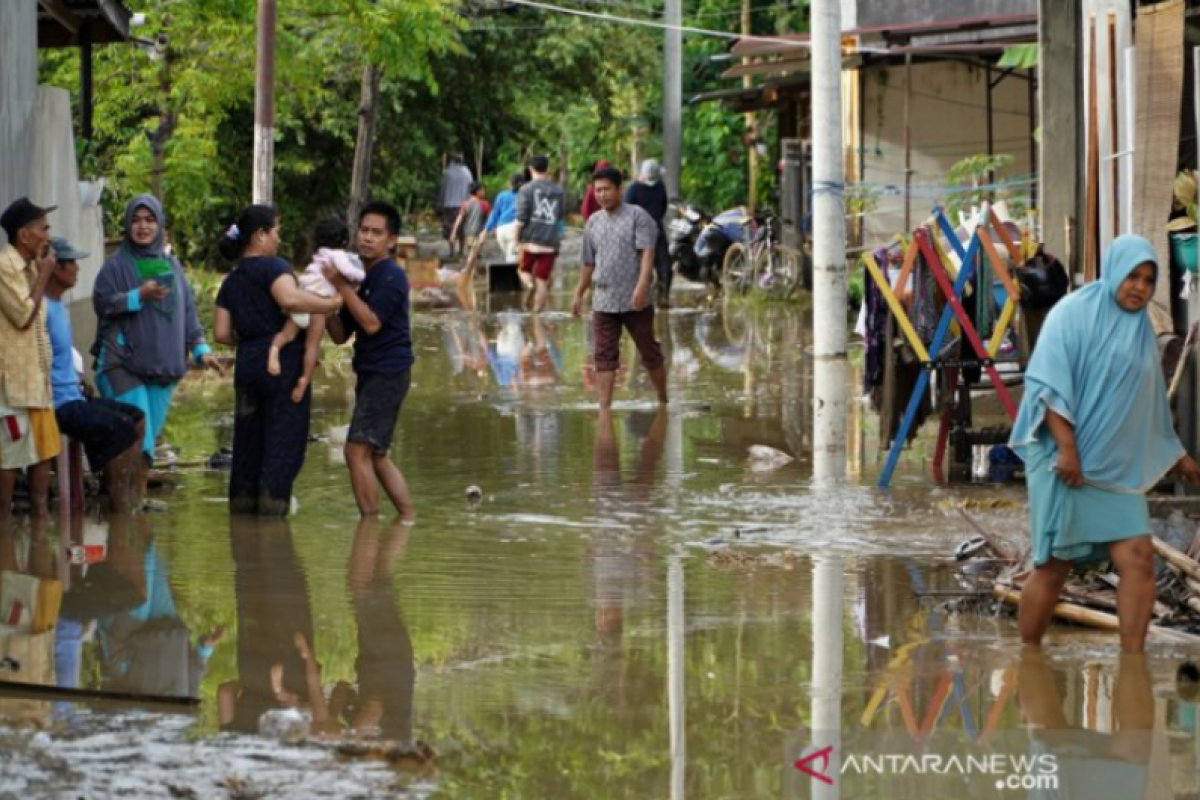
[(1090, 598)]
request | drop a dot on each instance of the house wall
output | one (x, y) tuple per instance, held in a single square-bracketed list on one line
[(874, 13), (18, 93), (949, 122)]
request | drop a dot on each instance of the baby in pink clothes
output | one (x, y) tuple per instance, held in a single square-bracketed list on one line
[(331, 238)]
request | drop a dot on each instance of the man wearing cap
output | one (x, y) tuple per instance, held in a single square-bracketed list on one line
[(28, 432), (111, 432)]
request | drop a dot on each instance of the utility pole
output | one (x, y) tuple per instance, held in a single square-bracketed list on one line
[(264, 104), (673, 96), (750, 118), (829, 202)]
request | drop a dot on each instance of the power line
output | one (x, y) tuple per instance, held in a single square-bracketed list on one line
[(645, 23)]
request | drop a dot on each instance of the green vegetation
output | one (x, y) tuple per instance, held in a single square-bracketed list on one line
[(494, 84)]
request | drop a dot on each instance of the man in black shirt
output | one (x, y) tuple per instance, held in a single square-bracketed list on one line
[(376, 315)]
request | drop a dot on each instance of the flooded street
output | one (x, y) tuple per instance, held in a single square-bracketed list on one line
[(634, 607)]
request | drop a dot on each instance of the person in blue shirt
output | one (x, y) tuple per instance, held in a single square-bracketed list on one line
[(111, 432), (375, 315), (503, 219)]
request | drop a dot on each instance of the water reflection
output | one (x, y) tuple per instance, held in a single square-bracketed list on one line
[(275, 667), (577, 633), (277, 664), (1093, 763)]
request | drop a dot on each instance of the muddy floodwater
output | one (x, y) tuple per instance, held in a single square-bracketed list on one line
[(630, 608)]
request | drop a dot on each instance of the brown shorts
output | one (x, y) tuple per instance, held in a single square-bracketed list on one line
[(540, 265), (606, 334)]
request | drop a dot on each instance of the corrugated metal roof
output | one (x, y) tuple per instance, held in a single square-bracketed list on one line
[(61, 21)]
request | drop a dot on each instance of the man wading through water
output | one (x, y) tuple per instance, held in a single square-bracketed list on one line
[(618, 265), (540, 215), (376, 315)]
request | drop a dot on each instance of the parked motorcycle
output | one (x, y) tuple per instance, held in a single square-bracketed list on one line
[(698, 243)]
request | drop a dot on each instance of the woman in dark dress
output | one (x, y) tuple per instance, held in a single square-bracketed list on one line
[(270, 432), (649, 193)]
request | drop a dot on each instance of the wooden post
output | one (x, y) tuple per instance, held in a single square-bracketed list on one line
[(672, 136), (750, 119), (87, 98), (1060, 26)]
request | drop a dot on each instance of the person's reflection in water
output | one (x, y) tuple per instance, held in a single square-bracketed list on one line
[(467, 346), (105, 589), (1092, 765), (275, 629), (541, 359), (383, 703), (148, 650), (615, 558), (31, 594)]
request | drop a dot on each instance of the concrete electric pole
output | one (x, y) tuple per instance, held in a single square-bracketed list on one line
[(673, 96), (829, 276), (829, 202), (264, 104)]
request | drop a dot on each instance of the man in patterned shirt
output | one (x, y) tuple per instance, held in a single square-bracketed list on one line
[(29, 436), (618, 265)]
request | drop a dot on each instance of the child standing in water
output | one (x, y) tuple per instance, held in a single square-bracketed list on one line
[(331, 239)]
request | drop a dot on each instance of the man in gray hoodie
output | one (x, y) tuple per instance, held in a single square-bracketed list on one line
[(541, 212)]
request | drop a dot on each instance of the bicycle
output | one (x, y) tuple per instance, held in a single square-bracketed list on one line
[(763, 262)]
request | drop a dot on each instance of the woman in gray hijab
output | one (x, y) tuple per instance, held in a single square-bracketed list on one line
[(147, 323), (649, 193)]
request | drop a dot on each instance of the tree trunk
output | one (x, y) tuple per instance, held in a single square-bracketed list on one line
[(166, 122), (364, 148), (479, 152)]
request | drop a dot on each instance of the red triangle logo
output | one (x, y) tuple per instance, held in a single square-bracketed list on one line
[(824, 754)]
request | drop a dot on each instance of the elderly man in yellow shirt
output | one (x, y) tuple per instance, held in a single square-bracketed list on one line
[(29, 436)]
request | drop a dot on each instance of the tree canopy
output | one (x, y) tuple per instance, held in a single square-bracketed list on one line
[(492, 82)]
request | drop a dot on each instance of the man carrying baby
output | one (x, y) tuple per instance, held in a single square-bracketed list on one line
[(376, 317), (331, 239)]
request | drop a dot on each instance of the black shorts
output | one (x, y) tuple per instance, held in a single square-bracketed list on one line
[(106, 428), (377, 402)]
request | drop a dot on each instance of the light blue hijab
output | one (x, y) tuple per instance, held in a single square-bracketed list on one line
[(1097, 366)]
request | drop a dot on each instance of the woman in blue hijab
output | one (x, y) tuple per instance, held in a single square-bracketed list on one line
[(147, 323), (1096, 434)]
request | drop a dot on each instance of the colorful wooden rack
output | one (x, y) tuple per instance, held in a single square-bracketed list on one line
[(925, 242)]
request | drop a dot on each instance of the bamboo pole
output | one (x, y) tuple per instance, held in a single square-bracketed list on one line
[(1091, 210), (1184, 563), (1114, 118)]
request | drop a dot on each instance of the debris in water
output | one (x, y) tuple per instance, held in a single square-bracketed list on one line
[(970, 548), (285, 724), (765, 459), (975, 504), (1187, 681), (731, 560), (222, 459), (474, 494), (409, 756)]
